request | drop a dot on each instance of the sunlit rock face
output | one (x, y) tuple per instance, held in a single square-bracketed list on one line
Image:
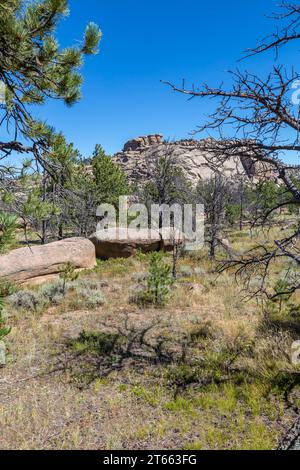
[(42, 263), (143, 142), (139, 156)]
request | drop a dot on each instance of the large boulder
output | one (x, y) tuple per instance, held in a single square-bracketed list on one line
[(35, 264), (124, 243)]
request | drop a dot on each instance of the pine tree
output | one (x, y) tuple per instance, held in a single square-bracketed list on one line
[(33, 68), (111, 182), (159, 280), (8, 226), (66, 156), (267, 196)]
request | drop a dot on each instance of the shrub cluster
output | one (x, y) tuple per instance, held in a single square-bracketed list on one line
[(32, 301), (82, 294), (86, 294)]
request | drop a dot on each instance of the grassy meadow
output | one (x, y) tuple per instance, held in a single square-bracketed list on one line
[(91, 369)]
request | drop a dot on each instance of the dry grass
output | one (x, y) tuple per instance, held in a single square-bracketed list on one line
[(212, 386)]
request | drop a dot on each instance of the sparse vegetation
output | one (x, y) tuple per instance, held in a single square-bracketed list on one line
[(86, 296), (54, 293), (4, 330), (27, 300), (76, 294), (203, 358), (158, 284)]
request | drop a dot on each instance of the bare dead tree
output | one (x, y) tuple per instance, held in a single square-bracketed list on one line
[(256, 120), (289, 18), (214, 194), (167, 185)]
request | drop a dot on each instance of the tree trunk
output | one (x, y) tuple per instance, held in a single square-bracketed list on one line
[(61, 231), (44, 233), (175, 259)]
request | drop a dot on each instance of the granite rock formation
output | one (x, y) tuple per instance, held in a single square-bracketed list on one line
[(139, 156)]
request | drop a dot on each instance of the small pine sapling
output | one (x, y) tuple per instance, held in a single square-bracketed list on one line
[(160, 280), (68, 274)]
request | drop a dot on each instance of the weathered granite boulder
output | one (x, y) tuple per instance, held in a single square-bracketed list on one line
[(37, 264), (124, 243), (142, 142)]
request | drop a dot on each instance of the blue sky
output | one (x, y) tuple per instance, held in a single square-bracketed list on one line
[(145, 41)]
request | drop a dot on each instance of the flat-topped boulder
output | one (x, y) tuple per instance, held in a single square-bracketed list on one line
[(35, 264), (124, 243)]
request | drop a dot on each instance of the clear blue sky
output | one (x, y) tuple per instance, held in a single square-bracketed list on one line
[(145, 41)]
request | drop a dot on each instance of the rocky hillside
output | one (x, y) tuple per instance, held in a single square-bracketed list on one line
[(139, 155)]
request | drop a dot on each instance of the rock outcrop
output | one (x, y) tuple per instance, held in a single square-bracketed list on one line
[(142, 142), (124, 243), (37, 264), (139, 156)]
